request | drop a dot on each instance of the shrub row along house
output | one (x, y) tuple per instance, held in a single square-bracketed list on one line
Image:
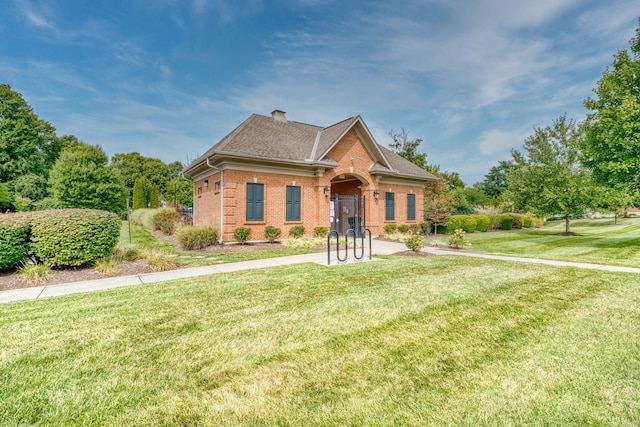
[(270, 171)]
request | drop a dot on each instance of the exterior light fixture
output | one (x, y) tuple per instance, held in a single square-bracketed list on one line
[(326, 191), (376, 194)]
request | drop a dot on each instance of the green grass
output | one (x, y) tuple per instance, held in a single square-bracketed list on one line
[(400, 341), (600, 242), (143, 240)]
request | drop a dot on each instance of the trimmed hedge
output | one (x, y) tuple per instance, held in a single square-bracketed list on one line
[(297, 231), (518, 220), (272, 233), (465, 222), (506, 221), (482, 222), (527, 222), (72, 237), (242, 234), (15, 232), (320, 231)]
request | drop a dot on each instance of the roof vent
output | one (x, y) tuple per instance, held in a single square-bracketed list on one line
[(279, 116)]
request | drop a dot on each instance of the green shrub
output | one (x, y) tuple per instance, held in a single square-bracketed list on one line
[(458, 239), (482, 222), (125, 252), (159, 261), (506, 222), (242, 235), (464, 222), (403, 228), (46, 204), (166, 220), (414, 229), (537, 222), (320, 231), (518, 220), (34, 274), (15, 233), (495, 222), (297, 231), (194, 238), (272, 233), (390, 228), (425, 227), (414, 243), (527, 221), (72, 237)]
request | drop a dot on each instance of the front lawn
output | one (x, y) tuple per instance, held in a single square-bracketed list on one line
[(599, 242), (400, 341)]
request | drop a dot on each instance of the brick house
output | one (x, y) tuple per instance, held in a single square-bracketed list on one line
[(271, 171)]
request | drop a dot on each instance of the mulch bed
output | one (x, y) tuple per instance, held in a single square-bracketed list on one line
[(11, 280)]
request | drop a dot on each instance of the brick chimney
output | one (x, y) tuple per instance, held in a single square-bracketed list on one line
[(279, 116)]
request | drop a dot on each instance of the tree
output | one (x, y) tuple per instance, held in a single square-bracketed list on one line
[(5, 197), (139, 200), (612, 143), (614, 200), (437, 204), (145, 194), (81, 178), (180, 191), (407, 148), (31, 186), (495, 182), (155, 171), (452, 180), (28, 145), (475, 194), (549, 179)]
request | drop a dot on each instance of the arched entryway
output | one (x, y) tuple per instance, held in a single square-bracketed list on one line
[(348, 209)]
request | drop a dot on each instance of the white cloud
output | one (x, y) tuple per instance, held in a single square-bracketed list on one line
[(497, 141)]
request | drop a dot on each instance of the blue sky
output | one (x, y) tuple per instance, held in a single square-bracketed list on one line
[(169, 78)]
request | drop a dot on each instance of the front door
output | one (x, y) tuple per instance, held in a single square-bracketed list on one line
[(348, 212)]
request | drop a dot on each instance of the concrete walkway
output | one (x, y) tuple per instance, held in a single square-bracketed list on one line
[(380, 247)]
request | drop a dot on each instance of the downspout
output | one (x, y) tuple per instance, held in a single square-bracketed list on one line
[(221, 200)]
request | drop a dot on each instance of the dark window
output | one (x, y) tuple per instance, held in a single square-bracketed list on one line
[(293, 203), (411, 207), (390, 211), (255, 202)]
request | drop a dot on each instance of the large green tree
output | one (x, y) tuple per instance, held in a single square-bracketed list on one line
[(133, 165), (548, 178), (612, 129), (28, 145), (495, 182), (81, 178)]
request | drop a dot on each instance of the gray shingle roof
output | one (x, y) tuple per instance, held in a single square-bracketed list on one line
[(287, 141)]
